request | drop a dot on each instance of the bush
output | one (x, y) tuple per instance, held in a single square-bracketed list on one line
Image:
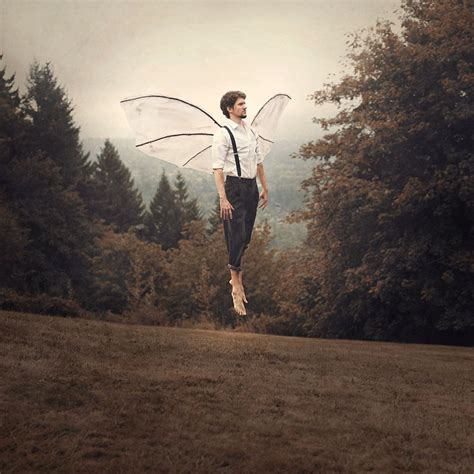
[(41, 304)]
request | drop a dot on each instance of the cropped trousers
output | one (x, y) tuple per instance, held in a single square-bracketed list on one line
[(243, 194)]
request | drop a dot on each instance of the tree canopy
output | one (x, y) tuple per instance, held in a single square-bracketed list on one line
[(390, 206)]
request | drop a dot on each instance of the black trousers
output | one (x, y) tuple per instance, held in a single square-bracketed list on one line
[(243, 194)]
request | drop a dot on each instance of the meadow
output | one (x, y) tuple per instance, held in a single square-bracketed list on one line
[(81, 395)]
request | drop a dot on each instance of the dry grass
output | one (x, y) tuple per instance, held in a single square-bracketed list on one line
[(93, 396)]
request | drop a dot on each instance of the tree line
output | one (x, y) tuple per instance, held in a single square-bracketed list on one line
[(389, 206)]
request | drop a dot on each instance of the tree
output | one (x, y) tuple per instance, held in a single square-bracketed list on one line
[(390, 210), (13, 236), (129, 273), (13, 241), (163, 219), (52, 127), (214, 220), (48, 214), (10, 113), (188, 209), (115, 200)]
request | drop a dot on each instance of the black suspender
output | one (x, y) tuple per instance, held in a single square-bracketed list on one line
[(234, 146)]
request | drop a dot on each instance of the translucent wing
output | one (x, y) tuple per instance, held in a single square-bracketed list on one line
[(172, 130), (266, 121)]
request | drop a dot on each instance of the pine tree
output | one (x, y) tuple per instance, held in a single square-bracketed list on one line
[(163, 219), (115, 200), (188, 208), (49, 211), (13, 235), (9, 106), (215, 221), (52, 128), (11, 125)]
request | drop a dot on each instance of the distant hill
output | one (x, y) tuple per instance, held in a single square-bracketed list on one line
[(284, 176)]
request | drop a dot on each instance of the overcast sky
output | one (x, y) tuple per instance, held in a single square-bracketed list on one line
[(104, 51)]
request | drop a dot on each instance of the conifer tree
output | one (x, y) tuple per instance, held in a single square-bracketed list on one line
[(11, 125), (189, 208), (49, 211), (13, 235), (9, 106), (215, 221), (163, 219), (52, 127), (115, 200)]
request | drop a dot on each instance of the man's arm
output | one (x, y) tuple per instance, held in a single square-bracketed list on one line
[(226, 206), (219, 152), (263, 181)]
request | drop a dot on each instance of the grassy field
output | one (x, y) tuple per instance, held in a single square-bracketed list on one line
[(90, 396)]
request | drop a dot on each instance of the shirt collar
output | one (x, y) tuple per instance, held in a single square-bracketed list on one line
[(232, 124)]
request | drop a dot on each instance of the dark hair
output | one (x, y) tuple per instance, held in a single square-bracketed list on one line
[(229, 99)]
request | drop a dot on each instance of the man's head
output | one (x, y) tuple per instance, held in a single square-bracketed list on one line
[(233, 102)]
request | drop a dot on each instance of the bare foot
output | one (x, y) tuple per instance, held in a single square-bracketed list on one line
[(238, 303), (241, 291)]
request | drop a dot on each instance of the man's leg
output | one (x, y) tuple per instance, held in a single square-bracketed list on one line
[(251, 207), (238, 296), (236, 280), (234, 231)]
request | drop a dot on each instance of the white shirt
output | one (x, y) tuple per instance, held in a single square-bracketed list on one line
[(247, 148)]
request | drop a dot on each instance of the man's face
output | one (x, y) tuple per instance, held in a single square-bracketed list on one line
[(239, 109)]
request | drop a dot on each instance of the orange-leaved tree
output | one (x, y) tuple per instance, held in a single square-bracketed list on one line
[(390, 211)]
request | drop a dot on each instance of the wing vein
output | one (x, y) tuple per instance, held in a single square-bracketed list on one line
[(198, 153), (173, 98), (261, 108), (175, 135)]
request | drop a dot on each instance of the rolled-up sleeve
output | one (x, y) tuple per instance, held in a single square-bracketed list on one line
[(219, 149)]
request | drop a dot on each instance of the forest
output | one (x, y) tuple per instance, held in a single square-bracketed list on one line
[(387, 252)]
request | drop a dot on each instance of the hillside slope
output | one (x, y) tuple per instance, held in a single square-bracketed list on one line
[(91, 396)]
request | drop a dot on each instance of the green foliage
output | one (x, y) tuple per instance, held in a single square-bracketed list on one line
[(54, 233), (214, 220), (171, 212), (114, 198), (189, 209), (390, 214), (40, 304), (198, 277), (128, 273), (10, 114), (163, 219), (51, 126), (13, 242)]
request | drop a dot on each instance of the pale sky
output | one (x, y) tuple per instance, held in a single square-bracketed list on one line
[(104, 51)]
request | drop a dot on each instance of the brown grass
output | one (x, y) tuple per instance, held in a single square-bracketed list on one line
[(91, 396)]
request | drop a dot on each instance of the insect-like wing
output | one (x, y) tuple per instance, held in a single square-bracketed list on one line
[(266, 121), (172, 130)]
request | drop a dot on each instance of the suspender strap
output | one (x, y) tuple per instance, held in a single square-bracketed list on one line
[(234, 146)]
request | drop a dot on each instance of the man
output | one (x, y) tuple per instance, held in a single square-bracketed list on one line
[(236, 183)]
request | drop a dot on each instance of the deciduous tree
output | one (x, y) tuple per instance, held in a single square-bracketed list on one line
[(391, 208)]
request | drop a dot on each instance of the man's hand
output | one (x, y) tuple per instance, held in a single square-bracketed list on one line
[(264, 199), (226, 209)]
